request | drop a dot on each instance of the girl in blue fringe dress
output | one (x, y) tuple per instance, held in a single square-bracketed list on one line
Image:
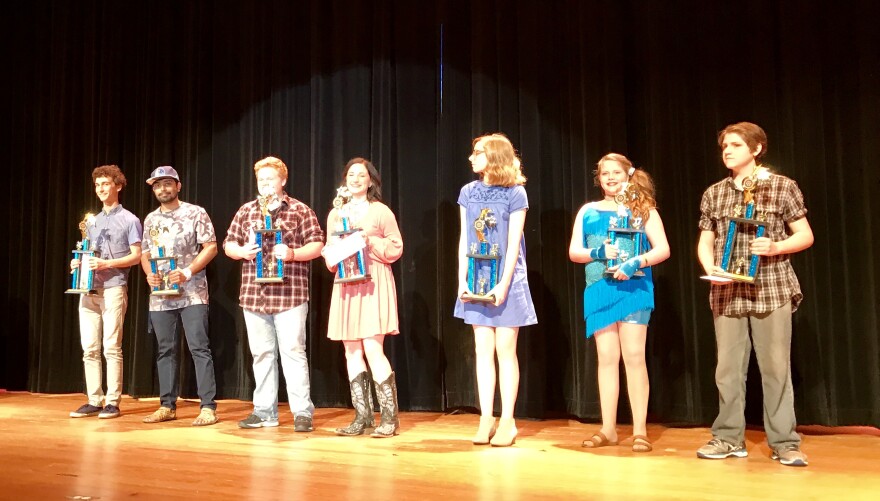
[(618, 300)]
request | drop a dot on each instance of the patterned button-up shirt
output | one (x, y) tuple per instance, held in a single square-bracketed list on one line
[(181, 233), (299, 226), (775, 283), (112, 235)]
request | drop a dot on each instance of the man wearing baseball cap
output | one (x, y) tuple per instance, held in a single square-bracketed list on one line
[(186, 233)]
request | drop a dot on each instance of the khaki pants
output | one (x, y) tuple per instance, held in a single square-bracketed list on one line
[(100, 324)]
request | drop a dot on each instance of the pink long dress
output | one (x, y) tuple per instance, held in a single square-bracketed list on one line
[(365, 309)]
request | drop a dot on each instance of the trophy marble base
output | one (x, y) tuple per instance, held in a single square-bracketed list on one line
[(88, 292), (270, 280), (353, 280), (477, 298), (166, 292), (736, 278)]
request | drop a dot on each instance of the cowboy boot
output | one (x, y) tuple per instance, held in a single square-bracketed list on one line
[(362, 401), (386, 393)]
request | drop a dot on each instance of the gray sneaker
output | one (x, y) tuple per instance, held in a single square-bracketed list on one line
[(302, 424), (720, 449), (789, 455), (254, 421)]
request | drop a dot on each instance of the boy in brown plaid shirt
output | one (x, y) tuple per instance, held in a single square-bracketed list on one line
[(275, 313), (764, 307)]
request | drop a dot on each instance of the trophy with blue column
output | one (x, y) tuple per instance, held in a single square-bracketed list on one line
[(738, 265), (83, 278), (483, 261), (626, 232), (352, 269), (162, 263), (269, 270)]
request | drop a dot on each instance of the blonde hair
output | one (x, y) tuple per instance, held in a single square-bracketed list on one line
[(274, 163), (503, 166), (640, 192)]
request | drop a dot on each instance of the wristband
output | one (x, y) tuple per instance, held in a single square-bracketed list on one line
[(598, 253), (630, 266), (187, 273)]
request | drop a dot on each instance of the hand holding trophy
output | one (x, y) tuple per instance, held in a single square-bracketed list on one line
[(483, 259), (270, 269), (352, 268), (82, 276), (738, 262), (162, 263), (626, 233)]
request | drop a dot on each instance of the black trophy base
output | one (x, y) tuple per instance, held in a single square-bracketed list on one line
[(166, 292), (270, 280), (487, 257), (88, 292), (467, 297), (353, 280), (735, 277)]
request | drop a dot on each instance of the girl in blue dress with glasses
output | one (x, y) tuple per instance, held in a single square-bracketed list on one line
[(493, 212)]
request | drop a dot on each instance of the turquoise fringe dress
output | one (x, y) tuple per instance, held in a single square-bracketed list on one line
[(607, 300)]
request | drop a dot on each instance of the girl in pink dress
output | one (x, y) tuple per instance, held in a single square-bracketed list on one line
[(363, 312)]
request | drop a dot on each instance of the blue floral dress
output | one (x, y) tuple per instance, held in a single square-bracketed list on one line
[(517, 310)]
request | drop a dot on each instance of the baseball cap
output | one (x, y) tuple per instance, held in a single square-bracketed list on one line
[(161, 172)]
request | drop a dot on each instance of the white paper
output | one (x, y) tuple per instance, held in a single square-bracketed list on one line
[(718, 280), (344, 247)]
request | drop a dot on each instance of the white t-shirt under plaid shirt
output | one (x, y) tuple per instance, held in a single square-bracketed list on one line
[(775, 283), (299, 226)]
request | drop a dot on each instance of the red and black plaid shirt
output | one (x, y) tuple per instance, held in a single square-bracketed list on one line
[(299, 227), (775, 283)]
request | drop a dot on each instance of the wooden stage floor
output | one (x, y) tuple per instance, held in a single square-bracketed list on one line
[(46, 455)]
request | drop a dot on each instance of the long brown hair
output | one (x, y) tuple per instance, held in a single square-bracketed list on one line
[(374, 192), (640, 193), (503, 167)]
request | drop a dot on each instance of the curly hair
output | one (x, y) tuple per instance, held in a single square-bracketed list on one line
[(504, 167), (111, 172), (640, 193)]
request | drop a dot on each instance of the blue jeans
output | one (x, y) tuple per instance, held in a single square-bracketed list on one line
[(269, 335), (195, 326), (771, 338)]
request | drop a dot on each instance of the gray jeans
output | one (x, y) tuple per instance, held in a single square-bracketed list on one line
[(771, 337)]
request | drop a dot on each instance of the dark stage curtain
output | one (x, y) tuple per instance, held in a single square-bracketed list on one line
[(211, 87)]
